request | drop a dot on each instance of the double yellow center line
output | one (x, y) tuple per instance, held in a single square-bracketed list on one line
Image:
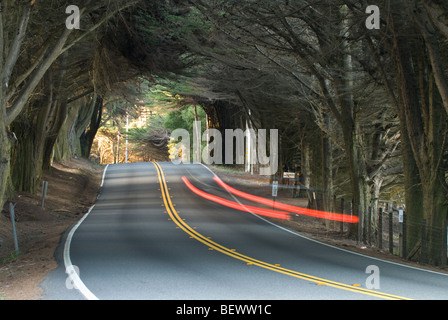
[(251, 261)]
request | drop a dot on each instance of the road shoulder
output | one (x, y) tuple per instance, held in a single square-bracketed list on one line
[(309, 227), (72, 190)]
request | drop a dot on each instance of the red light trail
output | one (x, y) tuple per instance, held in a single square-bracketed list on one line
[(235, 205), (287, 207)]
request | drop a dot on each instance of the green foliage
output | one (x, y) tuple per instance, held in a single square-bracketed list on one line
[(183, 119), (160, 34), (10, 258), (154, 128), (171, 91)]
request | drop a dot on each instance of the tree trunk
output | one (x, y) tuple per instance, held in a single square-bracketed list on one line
[(434, 201), (9, 54), (5, 152), (77, 121), (30, 128), (51, 137), (413, 191), (305, 155), (327, 171), (88, 136), (37, 129), (354, 145), (358, 175), (67, 143), (424, 119), (428, 31)]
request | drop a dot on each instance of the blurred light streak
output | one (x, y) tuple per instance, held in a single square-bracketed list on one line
[(287, 207), (235, 205)]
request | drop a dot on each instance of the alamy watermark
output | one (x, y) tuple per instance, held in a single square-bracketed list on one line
[(73, 20), (373, 20), (373, 280), (240, 147), (73, 275)]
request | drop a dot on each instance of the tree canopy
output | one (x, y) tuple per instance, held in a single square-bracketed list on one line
[(361, 107)]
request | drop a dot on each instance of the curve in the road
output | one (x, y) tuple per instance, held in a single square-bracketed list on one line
[(251, 261)]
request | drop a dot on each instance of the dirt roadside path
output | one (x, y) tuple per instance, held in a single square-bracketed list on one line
[(72, 190)]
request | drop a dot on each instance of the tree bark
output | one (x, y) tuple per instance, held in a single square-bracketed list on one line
[(88, 136), (423, 119), (5, 153), (37, 129), (30, 128), (425, 25), (327, 173), (327, 169), (7, 63), (36, 76), (354, 145)]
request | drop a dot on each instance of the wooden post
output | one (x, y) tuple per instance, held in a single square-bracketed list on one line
[(403, 237), (44, 192), (391, 231), (335, 225), (380, 228), (369, 226), (13, 220), (342, 211), (361, 224), (444, 243), (350, 211)]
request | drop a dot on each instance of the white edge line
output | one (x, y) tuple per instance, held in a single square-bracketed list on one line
[(326, 244), (69, 268), (104, 174)]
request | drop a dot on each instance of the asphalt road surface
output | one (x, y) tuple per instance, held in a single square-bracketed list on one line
[(150, 237)]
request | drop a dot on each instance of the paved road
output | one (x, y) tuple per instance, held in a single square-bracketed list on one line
[(150, 237)]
